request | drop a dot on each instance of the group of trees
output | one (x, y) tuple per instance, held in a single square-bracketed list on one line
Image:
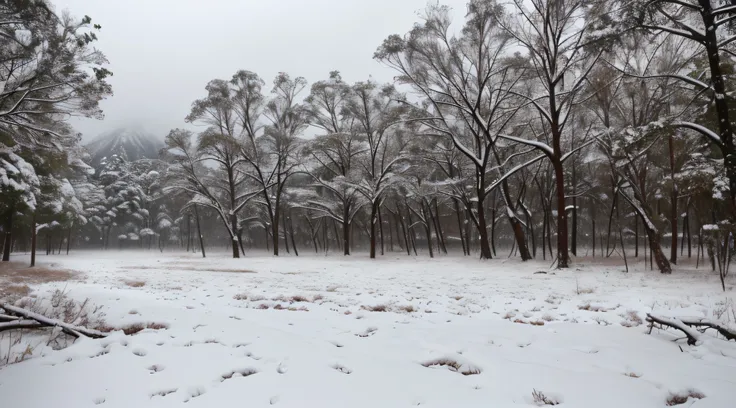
[(536, 124)]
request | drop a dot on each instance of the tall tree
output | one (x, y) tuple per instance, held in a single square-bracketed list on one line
[(465, 83)]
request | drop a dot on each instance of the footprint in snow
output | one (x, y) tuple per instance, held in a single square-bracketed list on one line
[(282, 368), (156, 368), (163, 393), (341, 368), (195, 392), (140, 352), (99, 401)]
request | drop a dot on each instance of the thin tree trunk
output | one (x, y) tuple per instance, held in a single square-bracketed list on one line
[(493, 226), (636, 237), (427, 228), (485, 248), (380, 229), (574, 232), (189, 230), (199, 231), (673, 204), (592, 222), (286, 236), (275, 230), (412, 234), (69, 239), (291, 233), (372, 228), (33, 239), (438, 228), (460, 227), (563, 258)]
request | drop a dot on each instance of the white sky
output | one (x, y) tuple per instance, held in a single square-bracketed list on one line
[(163, 52)]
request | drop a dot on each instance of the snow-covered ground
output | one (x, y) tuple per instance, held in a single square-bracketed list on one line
[(333, 331)]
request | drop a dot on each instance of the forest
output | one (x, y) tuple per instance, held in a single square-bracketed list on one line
[(548, 129)]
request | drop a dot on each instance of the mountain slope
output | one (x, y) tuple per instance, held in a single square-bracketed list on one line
[(136, 144)]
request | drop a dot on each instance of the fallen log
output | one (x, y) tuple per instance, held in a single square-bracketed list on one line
[(709, 324), (44, 321), (693, 337), (20, 324)]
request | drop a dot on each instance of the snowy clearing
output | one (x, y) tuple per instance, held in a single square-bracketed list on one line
[(394, 332)]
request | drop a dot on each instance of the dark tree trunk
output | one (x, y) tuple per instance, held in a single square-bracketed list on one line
[(373, 220), (485, 248), (636, 237), (199, 231), (291, 233), (403, 229), (563, 259), (689, 236), (234, 236), (493, 226), (69, 239), (427, 229), (189, 230), (410, 228), (460, 228), (286, 236), (440, 233), (33, 240), (467, 232), (725, 126), (657, 253), (673, 205), (380, 229), (346, 237), (574, 232), (275, 230)]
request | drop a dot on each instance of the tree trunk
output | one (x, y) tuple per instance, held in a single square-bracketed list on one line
[(275, 231), (427, 229), (33, 240), (403, 229), (438, 227), (69, 238), (410, 230), (574, 232), (189, 230), (291, 233), (346, 237), (286, 236), (199, 231), (234, 236), (657, 253), (373, 220), (380, 229), (721, 103), (636, 237), (493, 227), (485, 248), (673, 205), (460, 228), (563, 260)]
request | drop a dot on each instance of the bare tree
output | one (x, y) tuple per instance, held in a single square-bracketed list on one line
[(466, 85)]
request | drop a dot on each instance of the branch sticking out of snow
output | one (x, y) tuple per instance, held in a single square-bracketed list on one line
[(693, 338), (41, 321)]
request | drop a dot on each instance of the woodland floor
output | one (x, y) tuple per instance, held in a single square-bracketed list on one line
[(350, 332)]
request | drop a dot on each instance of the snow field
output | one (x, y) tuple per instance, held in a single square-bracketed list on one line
[(394, 332)]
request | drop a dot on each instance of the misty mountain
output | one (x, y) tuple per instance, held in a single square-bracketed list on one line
[(136, 143)]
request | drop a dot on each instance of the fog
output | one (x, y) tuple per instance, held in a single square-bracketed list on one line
[(163, 52)]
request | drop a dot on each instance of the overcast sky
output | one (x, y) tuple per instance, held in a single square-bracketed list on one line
[(163, 52)]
